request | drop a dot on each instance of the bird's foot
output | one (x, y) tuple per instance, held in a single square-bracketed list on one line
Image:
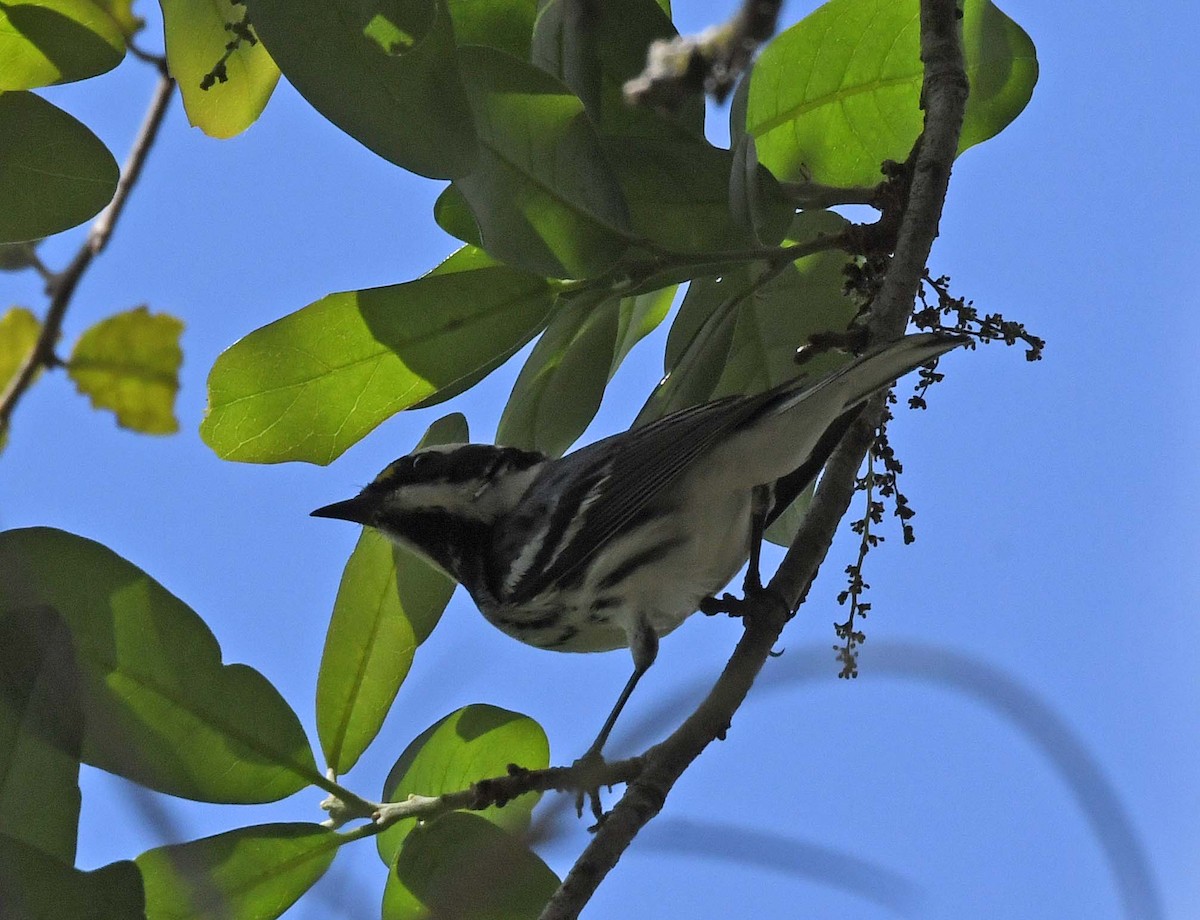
[(587, 769), (741, 606)]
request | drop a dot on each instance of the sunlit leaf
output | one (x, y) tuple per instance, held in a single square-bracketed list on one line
[(464, 867), (41, 732), (121, 12), (503, 24), (387, 603), (55, 41), (309, 385), (160, 707), (838, 93), (542, 192), (383, 72), (253, 873), (35, 886), (130, 363), (54, 173), (472, 743), (19, 330), (196, 39)]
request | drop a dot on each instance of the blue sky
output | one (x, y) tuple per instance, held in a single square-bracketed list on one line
[(1054, 572)]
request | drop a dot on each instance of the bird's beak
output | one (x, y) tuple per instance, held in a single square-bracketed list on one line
[(357, 509)]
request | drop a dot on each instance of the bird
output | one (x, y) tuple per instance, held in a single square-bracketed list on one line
[(617, 543)]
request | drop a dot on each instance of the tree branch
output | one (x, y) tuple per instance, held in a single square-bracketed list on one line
[(61, 286), (944, 94), (343, 805)]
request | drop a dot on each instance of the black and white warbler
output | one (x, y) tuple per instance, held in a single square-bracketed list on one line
[(619, 542)]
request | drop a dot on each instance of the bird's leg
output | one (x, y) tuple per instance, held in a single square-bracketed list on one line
[(643, 643), (758, 527), (752, 586)]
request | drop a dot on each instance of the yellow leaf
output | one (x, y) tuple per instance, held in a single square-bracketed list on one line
[(129, 363)]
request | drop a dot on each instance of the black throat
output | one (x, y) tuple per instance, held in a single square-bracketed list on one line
[(460, 545)]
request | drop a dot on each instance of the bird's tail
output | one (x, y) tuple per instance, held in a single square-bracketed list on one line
[(797, 426)]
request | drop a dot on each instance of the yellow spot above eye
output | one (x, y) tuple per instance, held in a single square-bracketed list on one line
[(390, 472)]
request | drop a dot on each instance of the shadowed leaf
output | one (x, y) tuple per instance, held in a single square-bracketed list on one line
[(160, 707), (739, 333), (41, 732), (464, 867), (472, 743), (560, 387), (385, 73), (541, 191), (253, 873), (34, 886), (54, 173), (595, 48)]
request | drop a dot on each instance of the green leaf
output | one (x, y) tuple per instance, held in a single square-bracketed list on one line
[(121, 12), (19, 330), (838, 93), (563, 381), (54, 173), (506, 25), (55, 41), (196, 40), (784, 313), (453, 215), (464, 867), (472, 743), (253, 873), (388, 602), (542, 192), (309, 385), (560, 387), (757, 205), (595, 51), (738, 333), (679, 195), (34, 886), (383, 71), (160, 707), (641, 314), (41, 732), (130, 363)]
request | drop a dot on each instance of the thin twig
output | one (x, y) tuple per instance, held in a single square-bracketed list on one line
[(61, 286), (944, 95)]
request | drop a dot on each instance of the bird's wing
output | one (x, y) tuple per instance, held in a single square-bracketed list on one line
[(582, 501), (587, 497)]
